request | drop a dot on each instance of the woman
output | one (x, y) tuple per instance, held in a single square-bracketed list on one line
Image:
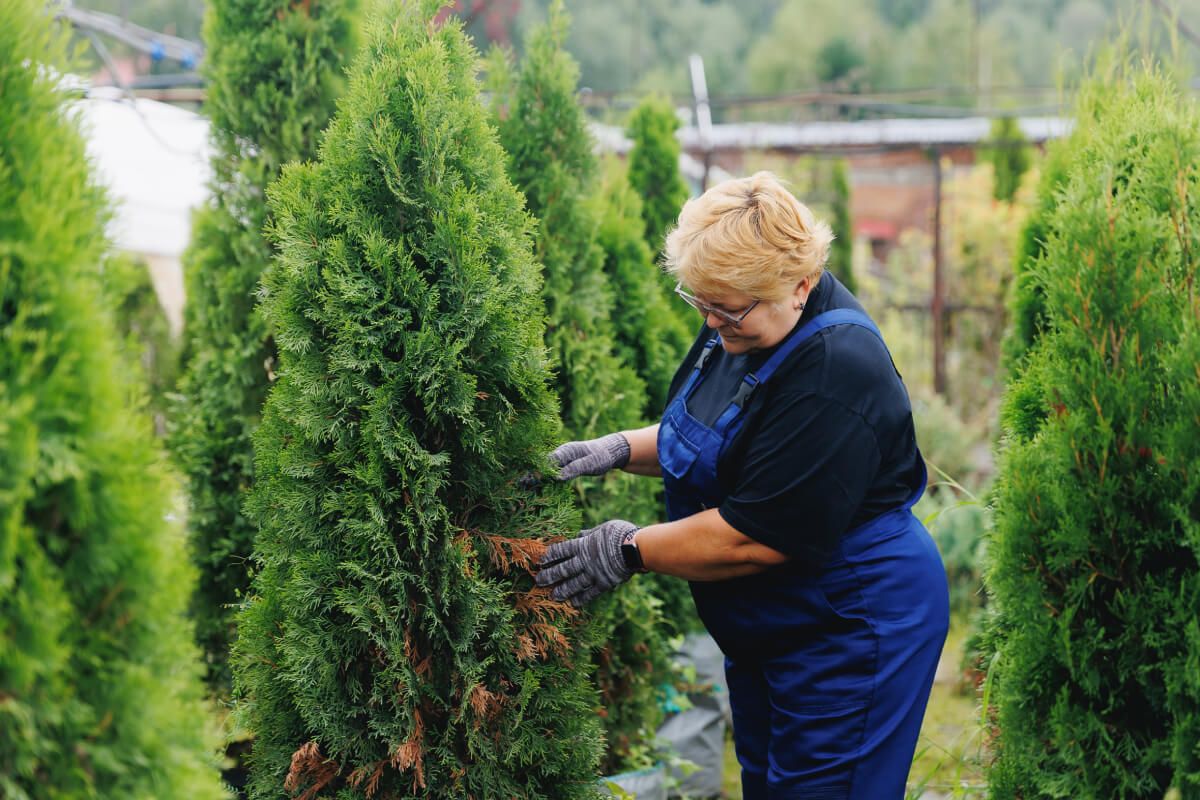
[(790, 467)]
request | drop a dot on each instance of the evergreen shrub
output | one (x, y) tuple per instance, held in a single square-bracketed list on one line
[(1009, 156), (543, 129), (394, 644), (150, 348), (841, 253), (1094, 567), (650, 335), (100, 688), (274, 70), (654, 168)]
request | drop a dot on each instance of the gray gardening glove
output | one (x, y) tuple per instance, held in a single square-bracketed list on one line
[(583, 568), (593, 457)]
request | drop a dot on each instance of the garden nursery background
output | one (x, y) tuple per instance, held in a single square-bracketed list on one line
[(297, 296)]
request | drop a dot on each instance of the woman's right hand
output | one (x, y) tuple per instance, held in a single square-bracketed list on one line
[(591, 457)]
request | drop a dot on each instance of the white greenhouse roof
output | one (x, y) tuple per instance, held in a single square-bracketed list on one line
[(870, 133), (890, 133), (153, 157)]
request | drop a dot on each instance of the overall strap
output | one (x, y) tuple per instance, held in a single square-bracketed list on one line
[(701, 360), (838, 316)]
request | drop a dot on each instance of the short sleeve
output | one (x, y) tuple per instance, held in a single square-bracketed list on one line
[(807, 468)]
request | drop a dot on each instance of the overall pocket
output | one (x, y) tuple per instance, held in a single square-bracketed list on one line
[(675, 453)]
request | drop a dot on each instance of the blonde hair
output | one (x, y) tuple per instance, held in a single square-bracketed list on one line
[(748, 235)]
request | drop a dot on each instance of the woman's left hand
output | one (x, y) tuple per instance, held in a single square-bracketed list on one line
[(583, 568)]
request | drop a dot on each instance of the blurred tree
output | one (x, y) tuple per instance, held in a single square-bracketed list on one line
[(839, 61), (274, 72), (788, 56), (100, 688), (395, 645), (841, 254), (654, 168), (1081, 24), (550, 159), (1009, 157), (902, 13), (1095, 572), (149, 347), (650, 334)]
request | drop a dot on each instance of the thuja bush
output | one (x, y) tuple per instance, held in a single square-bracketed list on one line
[(1094, 560), (1008, 153), (150, 348), (100, 688), (649, 334), (394, 644), (1025, 299), (654, 168), (274, 70), (543, 129), (841, 254)]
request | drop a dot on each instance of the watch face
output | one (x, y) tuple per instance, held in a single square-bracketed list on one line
[(632, 556)]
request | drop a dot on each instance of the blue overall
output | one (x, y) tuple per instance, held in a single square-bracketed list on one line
[(830, 666)]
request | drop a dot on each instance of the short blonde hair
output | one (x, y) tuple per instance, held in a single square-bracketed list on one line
[(748, 235)]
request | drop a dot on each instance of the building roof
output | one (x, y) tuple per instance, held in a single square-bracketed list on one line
[(886, 134), (153, 158), (866, 134)]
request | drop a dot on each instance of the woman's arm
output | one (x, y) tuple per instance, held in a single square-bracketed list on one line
[(703, 547), (643, 451)]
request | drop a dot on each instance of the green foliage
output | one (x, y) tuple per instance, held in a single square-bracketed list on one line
[(841, 254), (654, 168), (550, 159), (1009, 156), (274, 70), (649, 334), (1095, 560), (394, 645), (140, 320), (100, 693), (1026, 300)]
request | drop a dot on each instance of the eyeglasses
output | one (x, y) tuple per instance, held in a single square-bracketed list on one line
[(704, 308)]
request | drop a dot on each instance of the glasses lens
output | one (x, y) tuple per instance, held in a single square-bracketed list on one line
[(705, 308)]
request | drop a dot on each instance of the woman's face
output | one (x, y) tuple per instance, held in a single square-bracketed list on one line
[(765, 326)]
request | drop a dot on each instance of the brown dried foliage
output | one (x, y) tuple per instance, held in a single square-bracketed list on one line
[(308, 765), (411, 754), (422, 665), (506, 552), (371, 773), (486, 704), (538, 604)]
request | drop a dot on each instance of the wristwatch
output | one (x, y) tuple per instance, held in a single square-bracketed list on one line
[(630, 552)]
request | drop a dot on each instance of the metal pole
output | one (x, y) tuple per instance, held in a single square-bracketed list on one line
[(703, 113), (937, 305)]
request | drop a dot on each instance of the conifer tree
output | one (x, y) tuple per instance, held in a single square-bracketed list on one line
[(1095, 560), (1009, 157), (394, 644), (543, 129), (274, 70), (151, 350), (100, 688), (1025, 299), (649, 334), (841, 254), (654, 168)]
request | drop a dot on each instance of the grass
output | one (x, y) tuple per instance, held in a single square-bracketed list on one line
[(948, 763)]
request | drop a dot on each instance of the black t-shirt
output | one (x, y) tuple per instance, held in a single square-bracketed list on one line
[(827, 444)]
